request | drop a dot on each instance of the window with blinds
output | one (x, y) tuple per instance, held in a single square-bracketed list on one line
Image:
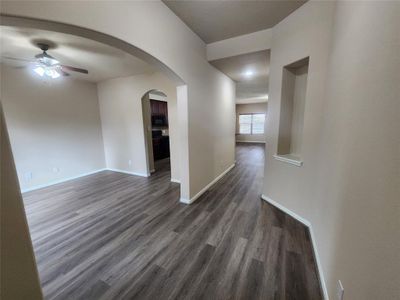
[(251, 123)]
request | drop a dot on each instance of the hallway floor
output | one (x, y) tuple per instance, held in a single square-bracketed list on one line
[(117, 236)]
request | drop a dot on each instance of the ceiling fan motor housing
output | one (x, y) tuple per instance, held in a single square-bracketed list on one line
[(45, 58), (44, 47)]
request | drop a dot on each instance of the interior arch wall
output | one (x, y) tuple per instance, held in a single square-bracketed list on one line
[(120, 102), (210, 107), (148, 141)]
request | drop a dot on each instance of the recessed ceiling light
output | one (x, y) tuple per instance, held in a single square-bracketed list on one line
[(248, 73)]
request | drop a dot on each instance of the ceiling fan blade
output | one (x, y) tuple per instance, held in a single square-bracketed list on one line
[(18, 59), (69, 68)]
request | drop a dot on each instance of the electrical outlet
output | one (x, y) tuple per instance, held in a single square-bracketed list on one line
[(56, 169), (340, 291), (129, 162)]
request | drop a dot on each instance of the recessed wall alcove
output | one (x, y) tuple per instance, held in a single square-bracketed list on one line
[(291, 122)]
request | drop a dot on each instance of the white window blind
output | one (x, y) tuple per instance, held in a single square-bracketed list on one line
[(245, 124), (251, 123)]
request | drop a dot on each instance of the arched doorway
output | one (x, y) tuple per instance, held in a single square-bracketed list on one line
[(181, 88), (156, 130)]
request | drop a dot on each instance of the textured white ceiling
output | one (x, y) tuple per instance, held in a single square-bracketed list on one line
[(102, 61), (218, 20), (249, 89)]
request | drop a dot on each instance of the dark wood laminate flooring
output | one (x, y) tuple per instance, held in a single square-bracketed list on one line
[(117, 236)]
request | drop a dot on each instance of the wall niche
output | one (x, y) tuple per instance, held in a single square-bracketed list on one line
[(291, 122)]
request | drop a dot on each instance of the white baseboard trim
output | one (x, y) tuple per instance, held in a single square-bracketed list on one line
[(40, 186), (296, 162), (195, 197), (319, 265), (257, 142), (286, 210), (308, 224), (129, 172), (175, 180)]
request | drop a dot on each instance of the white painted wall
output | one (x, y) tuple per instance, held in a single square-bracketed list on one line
[(250, 108), (53, 124), (348, 187), (120, 103), (152, 27)]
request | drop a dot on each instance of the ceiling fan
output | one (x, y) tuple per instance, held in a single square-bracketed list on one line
[(46, 65)]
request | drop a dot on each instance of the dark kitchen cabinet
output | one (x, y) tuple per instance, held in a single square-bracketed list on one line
[(159, 108), (159, 117), (160, 147)]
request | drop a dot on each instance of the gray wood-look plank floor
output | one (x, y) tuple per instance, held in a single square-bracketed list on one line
[(117, 236)]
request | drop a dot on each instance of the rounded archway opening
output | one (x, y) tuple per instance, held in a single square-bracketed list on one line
[(25, 22), (180, 86), (158, 136)]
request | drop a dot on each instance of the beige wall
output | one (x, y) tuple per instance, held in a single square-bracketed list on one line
[(299, 98), (18, 275), (209, 146), (250, 108), (148, 134), (292, 105), (348, 187), (120, 102), (306, 32), (54, 126), (359, 223)]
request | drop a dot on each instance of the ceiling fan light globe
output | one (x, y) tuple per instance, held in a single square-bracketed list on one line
[(48, 61), (39, 70), (48, 71), (55, 74), (52, 73), (53, 61)]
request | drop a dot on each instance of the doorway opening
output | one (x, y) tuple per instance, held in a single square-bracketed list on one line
[(250, 71), (157, 133)]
